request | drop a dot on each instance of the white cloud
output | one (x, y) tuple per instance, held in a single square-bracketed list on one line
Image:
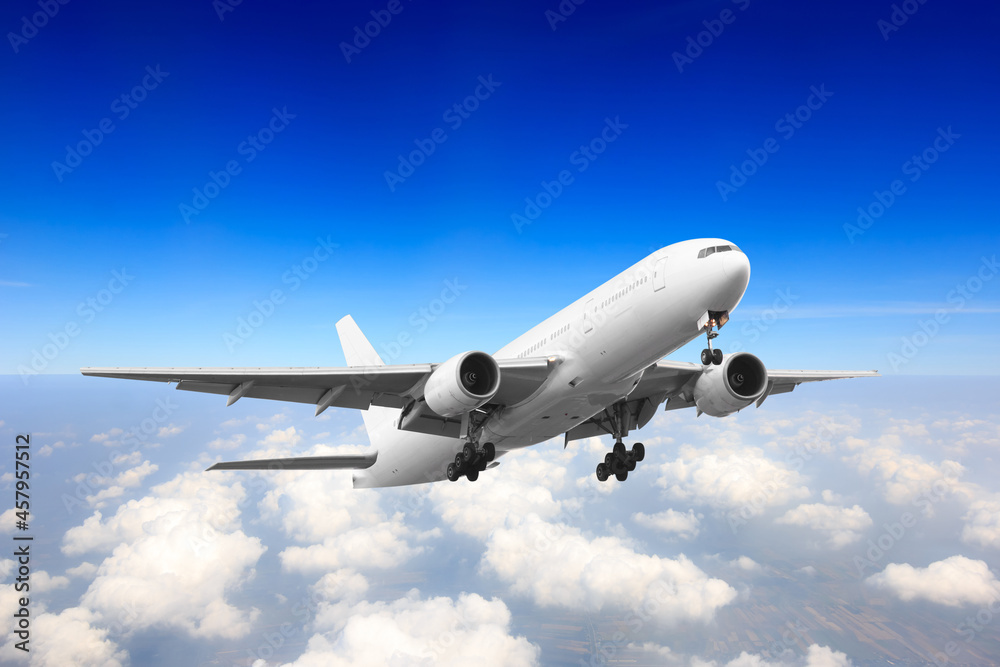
[(109, 437), (904, 476), (816, 656), (438, 631), (982, 522), (557, 566), (169, 430), (177, 554), (746, 564), (843, 525), (730, 479), (954, 581), (684, 524), (84, 570), (381, 546), (72, 638), (232, 442), (8, 520)]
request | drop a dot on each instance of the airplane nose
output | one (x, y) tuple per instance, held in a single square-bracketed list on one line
[(737, 268)]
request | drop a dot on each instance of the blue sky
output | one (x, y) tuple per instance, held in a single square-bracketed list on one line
[(249, 175), (323, 174)]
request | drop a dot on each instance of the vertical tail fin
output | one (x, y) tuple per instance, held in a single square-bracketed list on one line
[(359, 352)]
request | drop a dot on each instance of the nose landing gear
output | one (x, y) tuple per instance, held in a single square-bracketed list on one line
[(708, 355)]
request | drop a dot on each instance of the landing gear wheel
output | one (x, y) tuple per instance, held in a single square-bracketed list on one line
[(473, 474), (490, 451), (602, 472), (459, 462), (609, 460), (717, 357), (619, 449), (630, 463), (638, 451), (452, 473), (468, 452), (622, 475), (618, 466), (706, 357)]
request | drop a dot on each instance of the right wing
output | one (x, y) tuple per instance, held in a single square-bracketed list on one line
[(672, 381)]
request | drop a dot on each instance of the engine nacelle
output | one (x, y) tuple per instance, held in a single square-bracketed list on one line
[(738, 382), (463, 383)]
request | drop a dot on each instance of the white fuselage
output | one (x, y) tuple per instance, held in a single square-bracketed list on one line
[(605, 340)]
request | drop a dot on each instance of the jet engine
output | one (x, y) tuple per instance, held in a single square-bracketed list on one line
[(462, 384), (738, 382)]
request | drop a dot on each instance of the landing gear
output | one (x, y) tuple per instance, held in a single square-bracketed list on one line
[(470, 462), (709, 355), (620, 461)]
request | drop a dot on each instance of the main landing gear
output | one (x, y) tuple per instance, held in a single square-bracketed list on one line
[(620, 461), (470, 461), (708, 355)]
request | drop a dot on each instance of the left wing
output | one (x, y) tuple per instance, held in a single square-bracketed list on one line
[(673, 382)]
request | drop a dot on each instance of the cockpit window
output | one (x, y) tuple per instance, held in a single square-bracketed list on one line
[(705, 252)]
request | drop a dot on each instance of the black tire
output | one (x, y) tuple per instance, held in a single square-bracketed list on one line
[(459, 463), (609, 460), (630, 463), (468, 452), (717, 357), (472, 474), (622, 475), (638, 451), (617, 466), (619, 450), (490, 450), (706, 357), (452, 473), (602, 472)]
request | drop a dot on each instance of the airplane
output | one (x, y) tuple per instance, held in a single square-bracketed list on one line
[(594, 368)]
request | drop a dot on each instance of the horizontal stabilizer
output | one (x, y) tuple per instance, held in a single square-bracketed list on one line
[(359, 462)]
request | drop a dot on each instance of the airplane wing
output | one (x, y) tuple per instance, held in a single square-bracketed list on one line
[(672, 381), (357, 387)]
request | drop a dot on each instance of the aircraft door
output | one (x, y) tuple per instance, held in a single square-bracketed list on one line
[(660, 275)]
